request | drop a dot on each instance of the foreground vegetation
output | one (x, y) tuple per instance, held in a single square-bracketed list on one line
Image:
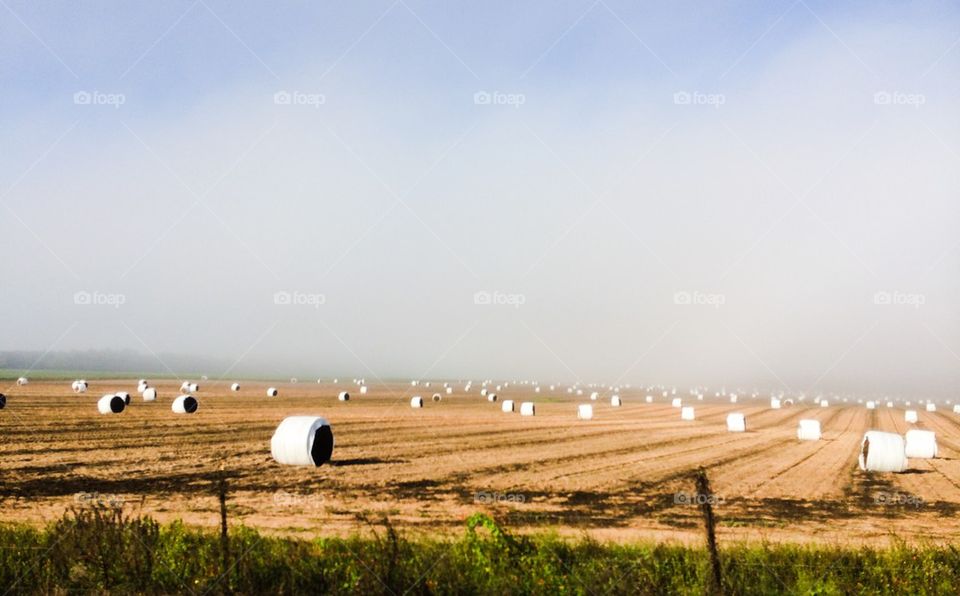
[(99, 549)]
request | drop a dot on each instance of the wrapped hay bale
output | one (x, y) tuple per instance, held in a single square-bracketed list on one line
[(585, 412), (871, 405), (956, 409), (149, 394), (648, 399), (272, 392), (527, 408), (882, 452), (491, 397), (111, 404), (594, 396), (185, 404), (416, 402), (142, 386), (911, 416), (22, 381), (3, 401), (363, 389), (809, 430), (931, 407), (437, 397), (302, 441), (235, 387), (449, 390), (921, 444), (687, 413), (774, 403), (125, 396), (344, 396), (824, 403), (506, 405), (615, 401), (676, 402), (79, 386), (736, 422)]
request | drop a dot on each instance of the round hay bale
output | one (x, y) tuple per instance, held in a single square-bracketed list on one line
[(185, 386), (774, 403), (871, 405), (141, 387), (911, 416), (676, 402), (931, 407), (527, 408), (594, 396), (687, 413), (736, 422), (22, 381), (809, 430), (921, 444), (194, 388), (956, 408), (824, 403), (491, 397), (416, 402), (585, 412), (79, 386), (302, 441), (506, 405), (235, 387), (272, 392), (125, 396), (344, 396), (536, 389), (615, 401), (185, 404), (3, 401), (149, 394), (111, 404), (363, 389), (882, 452), (483, 392), (449, 390), (437, 397)]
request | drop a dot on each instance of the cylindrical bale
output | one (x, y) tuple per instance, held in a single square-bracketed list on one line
[(363, 389), (871, 405), (506, 405), (302, 441), (22, 381), (687, 413), (185, 404), (527, 408), (491, 397), (149, 394), (736, 422), (824, 403), (594, 396), (809, 430), (882, 452), (911, 416), (921, 444), (449, 390), (931, 407), (142, 386), (272, 392), (483, 392), (648, 399), (344, 396), (125, 396), (111, 404), (194, 388), (235, 387), (437, 397), (615, 401), (956, 409), (3, 401), (774, 403), (585, 412), (676, 402), (416, 402), (185, 386)]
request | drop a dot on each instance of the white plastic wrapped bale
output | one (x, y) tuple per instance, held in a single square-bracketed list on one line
[(615, 401), (22, 381), (871, 405), (687, 413), (302, 441), (344, 396), (111, 404), (733, 399), (185, 386), (774, 403), (449, 390), (272, 392), (185, 404), (931, 407), (736, 422), (921, 444), (911, 416), (125, 396), (648, 399), (585, 412), (676, 402), (527, 408), (824, 403), (79, 386), (142, 386), (483, 392), (506, 405), (882, 452), (193, 388), (809, 430), (889, 404), (3, 401), (235, 387), (491, 397), (149, 394), (416, 402), (437, 397), (536, 390), (956, 409), (363, 389), (594, 396)]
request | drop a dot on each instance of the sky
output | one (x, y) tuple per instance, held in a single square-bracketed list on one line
[(732, 193)]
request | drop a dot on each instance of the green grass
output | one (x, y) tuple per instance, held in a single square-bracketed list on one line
[(100, 550)]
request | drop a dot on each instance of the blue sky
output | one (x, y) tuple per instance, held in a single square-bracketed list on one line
[(811, 166)]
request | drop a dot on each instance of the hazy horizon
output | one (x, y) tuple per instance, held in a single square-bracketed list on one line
[(760, 196)]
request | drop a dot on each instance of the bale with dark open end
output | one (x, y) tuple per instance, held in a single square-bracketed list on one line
[(302, 441), (111, 404), (185, 404)]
